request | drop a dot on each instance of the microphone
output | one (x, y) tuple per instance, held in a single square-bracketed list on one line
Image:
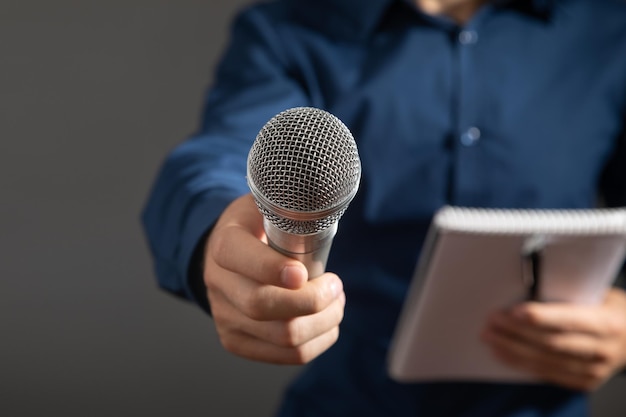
[(303, 171)]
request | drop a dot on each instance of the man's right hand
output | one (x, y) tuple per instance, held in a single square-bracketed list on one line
[(263, 304)]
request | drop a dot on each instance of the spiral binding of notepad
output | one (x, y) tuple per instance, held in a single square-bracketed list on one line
[(603, 221)]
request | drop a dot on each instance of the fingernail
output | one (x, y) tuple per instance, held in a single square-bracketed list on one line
[(292, 276)]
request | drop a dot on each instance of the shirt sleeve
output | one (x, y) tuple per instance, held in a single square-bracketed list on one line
[(203, 174)]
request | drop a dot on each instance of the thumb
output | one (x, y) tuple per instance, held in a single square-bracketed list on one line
[(237, 244)]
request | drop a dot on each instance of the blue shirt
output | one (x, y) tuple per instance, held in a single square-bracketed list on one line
[(523, 106)]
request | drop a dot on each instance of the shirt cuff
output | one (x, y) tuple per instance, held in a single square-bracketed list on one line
[(195, 233)]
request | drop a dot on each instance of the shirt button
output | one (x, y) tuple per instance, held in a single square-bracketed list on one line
[(470, 136), (468, 37)]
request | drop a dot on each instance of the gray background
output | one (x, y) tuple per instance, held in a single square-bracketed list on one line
[(92, 96)]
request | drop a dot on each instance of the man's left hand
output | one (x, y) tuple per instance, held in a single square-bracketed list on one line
[(576, 346)]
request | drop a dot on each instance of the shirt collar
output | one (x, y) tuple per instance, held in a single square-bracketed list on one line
[(356, 19)]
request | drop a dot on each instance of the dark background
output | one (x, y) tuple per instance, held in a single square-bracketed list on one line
[(92, 96)]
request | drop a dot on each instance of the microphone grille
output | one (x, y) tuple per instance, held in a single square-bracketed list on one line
[(303, 169)]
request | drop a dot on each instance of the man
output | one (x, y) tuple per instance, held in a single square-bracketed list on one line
[(503, 104)]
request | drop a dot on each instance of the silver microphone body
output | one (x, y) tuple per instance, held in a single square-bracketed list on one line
[(312, 249), (303, 171)]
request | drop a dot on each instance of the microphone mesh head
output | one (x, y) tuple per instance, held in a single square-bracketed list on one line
[(303, 170)]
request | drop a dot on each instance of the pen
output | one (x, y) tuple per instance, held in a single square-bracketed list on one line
[(532, 253)]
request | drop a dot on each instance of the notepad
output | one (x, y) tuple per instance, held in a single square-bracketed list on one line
[(476, 261)]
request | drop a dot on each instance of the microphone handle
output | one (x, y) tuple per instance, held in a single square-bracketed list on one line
[(312, 249)]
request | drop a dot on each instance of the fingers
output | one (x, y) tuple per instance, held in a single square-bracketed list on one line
[(260, 350), (297, 331), (561, 343), (568, 371), (294, 341), (263, 304), (257, 280), (572, 345), (278, 325), (562, 317)]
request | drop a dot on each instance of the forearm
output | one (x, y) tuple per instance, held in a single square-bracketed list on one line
[(185, 201)]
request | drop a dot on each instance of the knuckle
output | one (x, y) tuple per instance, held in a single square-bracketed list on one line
[(217, 247), (231, 347), (291, 334), (316, 305), (263, 303), (307, 352), (603, 354), (219, 317), (340, 315), (211, 280), (247, 304), (551, 342), (318, 301), (593, 376), (606, 354), (228, 342), (334, 336), (258, 305), (596, 374), (252, 309)]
